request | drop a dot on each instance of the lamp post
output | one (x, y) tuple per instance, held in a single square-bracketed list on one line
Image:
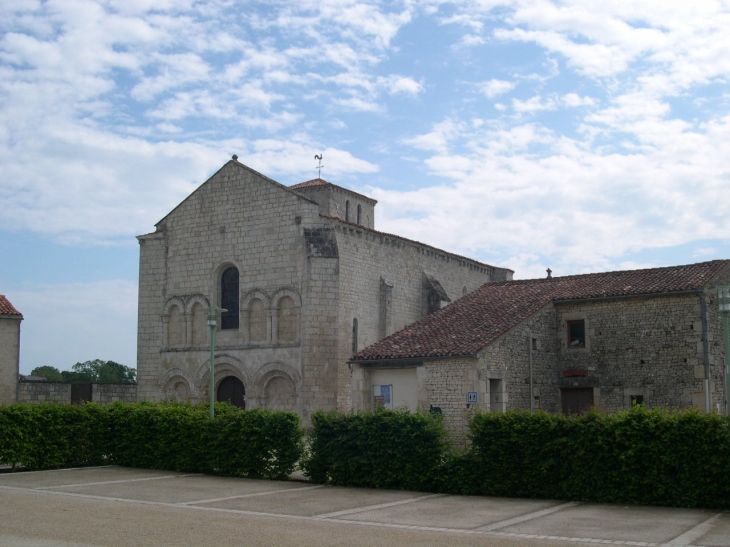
[(213, 324), (723, 300)]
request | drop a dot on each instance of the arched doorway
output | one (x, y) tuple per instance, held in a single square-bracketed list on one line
[(231, 390)]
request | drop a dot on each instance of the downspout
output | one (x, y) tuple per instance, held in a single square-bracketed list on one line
[(705, 350), (529, 352)]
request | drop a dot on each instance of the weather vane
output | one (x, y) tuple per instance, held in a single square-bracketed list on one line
[(318, 157)]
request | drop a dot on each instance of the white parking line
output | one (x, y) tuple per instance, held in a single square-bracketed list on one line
[(528, 516), (458, 531), (212, 500), (114, 482), (374, 507), (694, 533)]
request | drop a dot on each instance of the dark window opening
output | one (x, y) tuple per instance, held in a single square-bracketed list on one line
[(229, 298), (637, 400), (534, 344), (231, 390), (359, 214), (577, 334), (354, 336), (347, 210)]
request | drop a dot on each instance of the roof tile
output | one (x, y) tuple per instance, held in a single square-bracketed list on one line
[(477, 319), (6, 308)]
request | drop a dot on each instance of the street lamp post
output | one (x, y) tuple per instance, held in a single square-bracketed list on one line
[(213, 324), (723, 300)]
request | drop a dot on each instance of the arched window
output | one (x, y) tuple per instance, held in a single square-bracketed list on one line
[(359, 214), (287, 320), (229, 298), (347, 210), (257, 321), (354, 336)]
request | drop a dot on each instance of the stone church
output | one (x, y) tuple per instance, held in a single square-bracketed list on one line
[(307, 282)]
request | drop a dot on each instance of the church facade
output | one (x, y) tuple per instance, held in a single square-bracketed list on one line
[(306, 279)]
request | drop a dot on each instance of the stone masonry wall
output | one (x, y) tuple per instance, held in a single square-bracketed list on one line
[(44, 392), (637, 346), (716, 342), (9, 355), (237, 218), (445, 384), (508, 359), (111, 393), (367, 261)]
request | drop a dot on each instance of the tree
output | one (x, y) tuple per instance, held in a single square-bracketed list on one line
[(102, 371), (89, 371), (52, 374)]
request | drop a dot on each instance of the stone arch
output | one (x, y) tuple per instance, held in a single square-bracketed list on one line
[(256, 312), (174, 323), (172, 379), (196, 311), (225, 365), (277, 385), (286, 315)]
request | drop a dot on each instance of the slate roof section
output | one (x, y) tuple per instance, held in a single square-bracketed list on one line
[(319, 183), (468, 325), (7, 309)]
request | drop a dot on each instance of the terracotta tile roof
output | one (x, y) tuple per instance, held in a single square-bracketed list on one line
[(477, 319), (310, 184), (6, 308), (401, 238)]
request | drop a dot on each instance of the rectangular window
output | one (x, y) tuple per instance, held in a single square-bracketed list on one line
[(383, 396), (576, 334), (637, 400)]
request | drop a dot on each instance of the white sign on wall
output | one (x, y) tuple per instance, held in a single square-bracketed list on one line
[(383, 396)]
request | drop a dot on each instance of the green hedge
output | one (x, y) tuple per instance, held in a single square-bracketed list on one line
[(639, 456), (383, 449), (175, 437)]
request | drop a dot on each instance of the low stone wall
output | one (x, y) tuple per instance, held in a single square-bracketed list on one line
[(60, 392), (110, 393), (44, 392)]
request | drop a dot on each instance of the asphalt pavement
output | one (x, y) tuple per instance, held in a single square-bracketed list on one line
[(120, 507)]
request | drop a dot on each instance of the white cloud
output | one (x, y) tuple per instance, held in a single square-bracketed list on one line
[(533, 104), (495, 88), (438, 139)]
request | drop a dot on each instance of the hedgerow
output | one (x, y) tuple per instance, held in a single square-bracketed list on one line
[(175, 437)]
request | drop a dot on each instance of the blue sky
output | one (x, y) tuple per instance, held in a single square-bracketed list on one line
[(527, 134)]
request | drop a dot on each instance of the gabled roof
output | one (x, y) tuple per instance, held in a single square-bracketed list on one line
[(321, 183), (6, 308), (474, 321)]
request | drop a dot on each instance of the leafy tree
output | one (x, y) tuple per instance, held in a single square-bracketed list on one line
[(48, 372), (89, 371), (101, 371)]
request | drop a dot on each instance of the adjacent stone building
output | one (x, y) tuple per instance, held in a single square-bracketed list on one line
[(307, 282), (10, 319), (559, 344)]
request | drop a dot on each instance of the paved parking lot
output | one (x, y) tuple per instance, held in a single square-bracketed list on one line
[(115, 506)]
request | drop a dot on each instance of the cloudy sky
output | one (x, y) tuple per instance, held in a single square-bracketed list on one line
[(577, 135)]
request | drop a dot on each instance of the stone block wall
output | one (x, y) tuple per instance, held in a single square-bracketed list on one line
[(111, 393), (44, 392), (508, 359), (651, 347), (9, 358)]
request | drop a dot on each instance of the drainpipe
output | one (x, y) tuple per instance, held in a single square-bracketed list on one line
[(529, 352), (705, 350)]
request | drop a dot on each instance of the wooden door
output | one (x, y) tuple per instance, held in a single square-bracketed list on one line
[(231, 390), (576, 400)]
